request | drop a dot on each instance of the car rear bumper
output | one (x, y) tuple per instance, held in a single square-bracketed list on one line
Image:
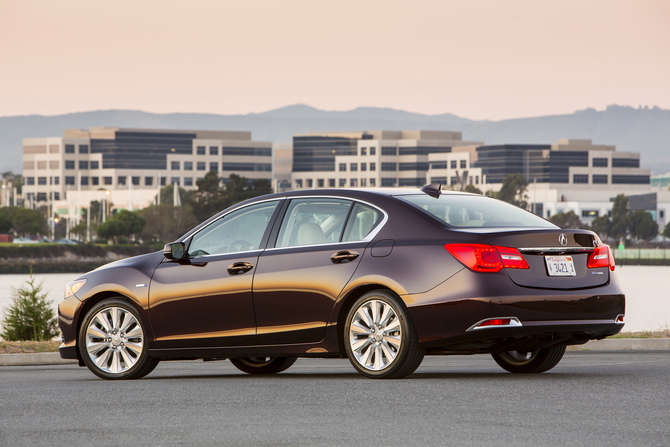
[(445, 316)]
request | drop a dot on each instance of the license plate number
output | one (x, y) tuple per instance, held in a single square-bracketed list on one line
[(560, 265)]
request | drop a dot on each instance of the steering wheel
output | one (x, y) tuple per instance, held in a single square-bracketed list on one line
[(239, 245)]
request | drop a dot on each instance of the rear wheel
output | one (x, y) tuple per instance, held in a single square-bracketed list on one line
[(530, 361), (379, 337), (263, 365), (112, 341)]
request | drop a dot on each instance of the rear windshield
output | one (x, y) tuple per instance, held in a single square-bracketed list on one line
[(471, 211)]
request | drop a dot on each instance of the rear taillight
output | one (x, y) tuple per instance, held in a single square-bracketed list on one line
[(487, 258), (601, 257)]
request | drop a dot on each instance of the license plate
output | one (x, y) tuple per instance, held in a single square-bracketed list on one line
[(560, 265)]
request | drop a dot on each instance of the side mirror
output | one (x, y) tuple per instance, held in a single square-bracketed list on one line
[(174, 250)]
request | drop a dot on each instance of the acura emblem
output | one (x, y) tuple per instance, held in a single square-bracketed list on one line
[(562, 239)]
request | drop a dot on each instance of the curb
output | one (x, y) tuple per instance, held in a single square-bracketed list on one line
[(612, 344), (39, 358), (624, 344)]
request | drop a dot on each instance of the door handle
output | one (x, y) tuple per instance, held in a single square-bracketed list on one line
[(344, 256), (238, 268)]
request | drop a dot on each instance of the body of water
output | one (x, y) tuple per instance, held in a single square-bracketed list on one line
[(647, 290)]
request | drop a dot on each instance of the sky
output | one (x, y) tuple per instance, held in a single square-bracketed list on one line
[(478, 59)]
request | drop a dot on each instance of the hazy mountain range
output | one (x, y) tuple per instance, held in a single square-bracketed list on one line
[(644, 130)]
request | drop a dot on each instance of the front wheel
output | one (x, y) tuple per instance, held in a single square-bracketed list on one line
[(537, 361), (379, 337), (263, 365), (112, 341)]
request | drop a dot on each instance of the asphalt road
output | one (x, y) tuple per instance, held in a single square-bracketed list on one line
[(590, 398)]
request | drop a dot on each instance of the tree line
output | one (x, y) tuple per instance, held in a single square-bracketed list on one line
[(623, 223), (159, 223)]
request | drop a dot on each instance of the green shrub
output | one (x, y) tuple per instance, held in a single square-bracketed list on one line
[(30, 316)]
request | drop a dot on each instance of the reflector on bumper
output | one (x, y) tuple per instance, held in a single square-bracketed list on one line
[(496, 323)]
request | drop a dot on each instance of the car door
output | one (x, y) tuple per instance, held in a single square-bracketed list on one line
[(318, 247), (205, 300)]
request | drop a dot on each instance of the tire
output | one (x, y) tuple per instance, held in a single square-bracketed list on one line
[(263, 365), (113, 342), (379, 337), (530, 362)]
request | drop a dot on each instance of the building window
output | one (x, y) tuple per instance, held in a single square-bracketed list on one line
[(107, 180), (310, 183), (201, 165), (453, 164), (580, 178), (331, 183), (213, 150), (388, 182), (661, 214), (30, 181), (95, 164), (41, 180), (174, 181), (95, 181), (298, 183), (389, 166), (213, 166), (364, 151), (343, 167), (163, 181), (462, 164), (56, 180), (364, 182), (438, 165), (69, 164), (69, 148), (148, 181), (353, 182), (41, 197), (476, 180), (353, 167), (599, 162), (372, 182), (56, 196), (83, 164), (83, 148), (343, 182), (453, 180), (84, 181), (364, 166), (440, 180), (389, 151), (372, 151), (201, 150), (590, 213), (602, 179), (135, 180), (188, 181), (319, 183), (373, 166), (69, 180), (174, 165), (121, 180), (188, 166)]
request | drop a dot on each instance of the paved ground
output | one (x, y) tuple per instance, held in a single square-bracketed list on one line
[(590, 398)]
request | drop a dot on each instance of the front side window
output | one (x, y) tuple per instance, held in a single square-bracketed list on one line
[(241, 230)]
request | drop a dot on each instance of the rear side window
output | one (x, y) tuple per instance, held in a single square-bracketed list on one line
[(313, 221), (467, 211), (316, 221)]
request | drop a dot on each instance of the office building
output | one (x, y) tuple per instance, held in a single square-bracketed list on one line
[(368, 158)]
